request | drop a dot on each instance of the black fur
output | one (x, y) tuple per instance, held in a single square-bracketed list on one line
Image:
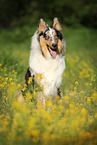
[(28, 74), (59, 34), (59, 92), (41, 34)]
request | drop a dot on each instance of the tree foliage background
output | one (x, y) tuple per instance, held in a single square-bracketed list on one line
[(69, 12)]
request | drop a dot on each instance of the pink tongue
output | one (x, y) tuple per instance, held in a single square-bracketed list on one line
[(53, 53)]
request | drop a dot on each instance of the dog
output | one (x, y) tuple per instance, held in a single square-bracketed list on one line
[(47, 57)]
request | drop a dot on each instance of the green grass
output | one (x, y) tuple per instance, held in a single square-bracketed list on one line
[(71, 120)]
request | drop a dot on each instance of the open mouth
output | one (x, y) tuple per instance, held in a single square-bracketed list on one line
[(52, 51)]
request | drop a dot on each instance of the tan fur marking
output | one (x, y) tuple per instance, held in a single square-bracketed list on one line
[(54, 34), (42, 26), (56, 24), (59, 46), (48, 34), (43, 46), (49, 42)]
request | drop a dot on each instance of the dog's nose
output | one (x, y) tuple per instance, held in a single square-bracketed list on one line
[(54, 45)]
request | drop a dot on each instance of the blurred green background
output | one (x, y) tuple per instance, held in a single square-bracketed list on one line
[(27, 12)]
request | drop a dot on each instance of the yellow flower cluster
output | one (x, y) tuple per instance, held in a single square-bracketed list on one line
[(69, 120)]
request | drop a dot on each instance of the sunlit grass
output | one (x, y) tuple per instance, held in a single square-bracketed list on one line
[(69, 120)]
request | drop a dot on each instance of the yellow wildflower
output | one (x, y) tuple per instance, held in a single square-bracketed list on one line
[(71, 94), (25, 85), (30, 80), (76, 83), (13, 71), (67, 90), (1, 85), (10, 79), (60, 102), (24, 89), (19, 86), (12, 83), (81, 91), (88, 100), (6, 78), (75, 88)]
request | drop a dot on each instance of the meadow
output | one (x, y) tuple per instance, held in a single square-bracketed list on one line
[(71, 120)]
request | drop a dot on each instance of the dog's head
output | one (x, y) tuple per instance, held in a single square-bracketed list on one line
[(50, 38)]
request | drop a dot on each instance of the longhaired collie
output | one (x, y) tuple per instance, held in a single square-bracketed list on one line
[(47, 57)]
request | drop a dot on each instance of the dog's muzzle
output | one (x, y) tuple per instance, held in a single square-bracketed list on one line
[(53, 50), (54, 46)]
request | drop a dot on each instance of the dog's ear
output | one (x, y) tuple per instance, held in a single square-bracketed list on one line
[(42, 25), (56, 24)]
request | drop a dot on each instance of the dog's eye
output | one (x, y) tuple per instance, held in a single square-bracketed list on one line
[(55, 36), (47, 37)]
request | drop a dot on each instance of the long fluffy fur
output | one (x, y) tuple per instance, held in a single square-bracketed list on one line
[(51, 68)]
